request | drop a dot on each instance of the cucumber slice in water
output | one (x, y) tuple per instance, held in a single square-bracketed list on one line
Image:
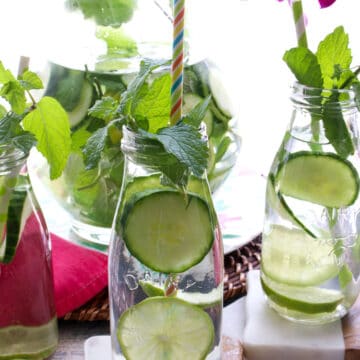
[(321, 178), (292, 257), (162, 328), (279, 204), (19, 210), (167, 232)]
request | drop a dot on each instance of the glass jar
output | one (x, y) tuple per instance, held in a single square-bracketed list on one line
[(28, 323), (165, 263), (93, 55), (310, 254)]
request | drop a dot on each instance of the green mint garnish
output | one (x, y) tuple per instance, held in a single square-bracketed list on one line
[(329, 69), (145, 108), (43, 124)]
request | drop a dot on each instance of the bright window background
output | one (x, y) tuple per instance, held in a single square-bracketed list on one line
[(247, 38)]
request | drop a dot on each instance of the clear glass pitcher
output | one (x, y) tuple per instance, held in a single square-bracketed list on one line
[(310, 254), (95, 51), (165, 264), (28, 323)]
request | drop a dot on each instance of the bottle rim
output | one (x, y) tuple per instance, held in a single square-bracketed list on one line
[(11, 157), (314, 98)]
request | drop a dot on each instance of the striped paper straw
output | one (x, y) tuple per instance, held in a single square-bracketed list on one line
[(300, 23), (177, 66)]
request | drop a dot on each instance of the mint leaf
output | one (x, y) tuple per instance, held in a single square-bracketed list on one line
[(131, 95), (187, 145), (5, 75), (24, 141), (154, 105), (333, 51), (104, 109), (94, 146), (14, 93), (30, 80), (304, 65), (195, 116), (79, 139), (336, 129), (50, 124), (3, 111)]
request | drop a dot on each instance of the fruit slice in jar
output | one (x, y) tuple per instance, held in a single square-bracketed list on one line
[(293, 257), (277, 202), (167, 231), (310, 300), (161, 328), (321, 178), (203, 300)]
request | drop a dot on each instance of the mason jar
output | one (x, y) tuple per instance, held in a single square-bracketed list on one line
[(310, 254), (165, 263)]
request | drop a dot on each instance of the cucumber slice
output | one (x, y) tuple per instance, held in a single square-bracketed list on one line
[(19, 210), (292, 257), (277, 202), (80, 111), (321, 178), (162, 328), (222, 101), (190, 101), (167, 232), (309, 300)]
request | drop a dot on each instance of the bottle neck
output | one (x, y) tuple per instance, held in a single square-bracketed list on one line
[(316, 110), (12, 160)]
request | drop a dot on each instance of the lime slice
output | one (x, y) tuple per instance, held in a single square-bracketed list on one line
[(310, 300), (161, 328), (293, 257), (278, 203), (321, 178), (204, 300), (167, 232)]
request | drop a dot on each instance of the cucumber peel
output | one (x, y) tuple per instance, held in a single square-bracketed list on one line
[(321, 178)]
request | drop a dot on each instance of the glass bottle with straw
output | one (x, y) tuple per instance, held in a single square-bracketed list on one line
[(310, 268), (166, 256)]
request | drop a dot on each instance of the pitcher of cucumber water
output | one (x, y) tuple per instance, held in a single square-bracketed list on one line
[(95, 56), (165, 263), (311, 246)]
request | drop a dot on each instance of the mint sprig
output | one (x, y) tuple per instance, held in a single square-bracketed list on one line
[(43, 124), (328, 68), (144, 107)]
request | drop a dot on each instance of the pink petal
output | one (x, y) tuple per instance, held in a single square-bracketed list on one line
[(326, 3)]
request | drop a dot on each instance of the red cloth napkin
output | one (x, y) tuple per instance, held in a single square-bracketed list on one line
[(79, 274)]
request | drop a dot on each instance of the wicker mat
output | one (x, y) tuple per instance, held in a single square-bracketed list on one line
[(237, 264)]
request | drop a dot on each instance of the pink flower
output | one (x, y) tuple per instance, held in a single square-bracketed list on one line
[(323, 3)]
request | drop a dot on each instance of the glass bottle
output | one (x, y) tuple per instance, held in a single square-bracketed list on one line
[(310, 254), (28, 322), (179, 271), (97, 53)]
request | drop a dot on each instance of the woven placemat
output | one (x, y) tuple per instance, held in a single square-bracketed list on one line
[(237, 263)]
